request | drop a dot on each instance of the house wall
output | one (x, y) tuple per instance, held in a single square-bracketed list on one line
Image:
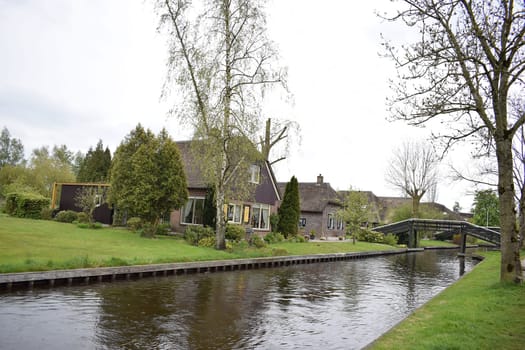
[(68, 193), (318, 222)]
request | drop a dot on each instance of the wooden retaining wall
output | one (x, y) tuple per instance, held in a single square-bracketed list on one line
[(53, 278)]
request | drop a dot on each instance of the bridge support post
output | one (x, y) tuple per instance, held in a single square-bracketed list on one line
[(463, 243), (412, 237)]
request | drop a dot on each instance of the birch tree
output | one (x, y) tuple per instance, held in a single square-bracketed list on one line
[(463, 70), (221, 61)]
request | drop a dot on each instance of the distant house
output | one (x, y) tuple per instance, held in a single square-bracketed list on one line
[(253, 213), (319, 204), (64, 198)]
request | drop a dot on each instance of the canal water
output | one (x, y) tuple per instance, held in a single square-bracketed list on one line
[(336, 305)]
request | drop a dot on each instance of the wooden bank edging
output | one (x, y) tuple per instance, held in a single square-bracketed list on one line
[(9, 281)]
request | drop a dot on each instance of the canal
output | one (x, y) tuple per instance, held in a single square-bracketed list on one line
[(335, 305)]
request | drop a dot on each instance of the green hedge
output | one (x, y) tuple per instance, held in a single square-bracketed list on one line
[(26, 205)]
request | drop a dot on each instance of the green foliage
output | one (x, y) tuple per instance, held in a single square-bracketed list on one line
[(195, 233), (274, 237), (297, 239), (390, 239), (134, 224), (26, 205), (403, 212), (11, 149), (92, 225), (235, 232), (163, 229), (46, 213), (274, 221), (356, 210), (369, 236), (210, 209), (67, 216), (95, 165), (207, 242), (257, 241), (486, 208), (290, 210), (82, 217), (147, 176)]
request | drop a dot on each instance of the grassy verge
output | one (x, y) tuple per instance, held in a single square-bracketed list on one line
[(434, 243), (477, 312), (36, 245)]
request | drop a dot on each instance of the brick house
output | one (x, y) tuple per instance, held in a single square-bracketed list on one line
[(319, 205), (254, 212)]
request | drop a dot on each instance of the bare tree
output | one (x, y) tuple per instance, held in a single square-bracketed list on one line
[(463, 70), (222, 60), (274, 133), (414, 171)]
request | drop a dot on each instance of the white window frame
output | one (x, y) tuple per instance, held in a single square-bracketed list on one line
[(330, 222), (261, 208), (183, 210), (236, 215), (255, 174)]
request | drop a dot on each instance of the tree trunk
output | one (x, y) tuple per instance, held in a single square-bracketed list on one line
[(416, 199), (510, 254), (220, 221)]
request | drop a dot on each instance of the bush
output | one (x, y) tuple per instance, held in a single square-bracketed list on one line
[(257, 241), (274, 237), (134, 224), (26, 205), (66, 216), (82, 217), (163, 229), (235, 232), (46, 213), (194, 234), (297, 239), (207, 242), (364, 235), (390, 239)]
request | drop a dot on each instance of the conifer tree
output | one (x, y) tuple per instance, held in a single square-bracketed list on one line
[(290, 209)]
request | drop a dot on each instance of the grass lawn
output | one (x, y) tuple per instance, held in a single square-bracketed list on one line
[(435, 243), (477, 312), (37, 245)]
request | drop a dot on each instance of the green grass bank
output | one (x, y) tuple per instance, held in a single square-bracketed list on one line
[(38, 245), (477, 312)]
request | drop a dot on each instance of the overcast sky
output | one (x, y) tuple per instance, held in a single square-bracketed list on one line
[(74, 72)]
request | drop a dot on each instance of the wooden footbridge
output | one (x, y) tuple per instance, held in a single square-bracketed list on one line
[(410, 227)]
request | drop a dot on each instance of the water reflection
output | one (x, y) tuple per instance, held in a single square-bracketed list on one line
[(339, 305)]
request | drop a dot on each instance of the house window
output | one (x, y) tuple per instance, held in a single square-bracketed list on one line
[(255, 174), (340, 224), (302, 222), (234, 213), (331, 222), (193, 211), (260, 216)]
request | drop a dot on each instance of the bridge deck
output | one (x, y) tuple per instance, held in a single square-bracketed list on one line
[(488, 234)]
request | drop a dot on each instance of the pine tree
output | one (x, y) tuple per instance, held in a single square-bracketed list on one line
[(290, 210), (95, 166)]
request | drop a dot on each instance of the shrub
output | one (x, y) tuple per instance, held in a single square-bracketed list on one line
[(297, 239), (390, 239), (257, 241), (235, 232), (194, 234), (82, 217), (163, 229), (66, 216), (134, 224), (274, 237), (274, 221), (207, 242), (369, 236), (82, 225), (46, 213), (25, 205)]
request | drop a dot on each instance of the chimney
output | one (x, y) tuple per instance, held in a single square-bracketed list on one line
[(319, 179)]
